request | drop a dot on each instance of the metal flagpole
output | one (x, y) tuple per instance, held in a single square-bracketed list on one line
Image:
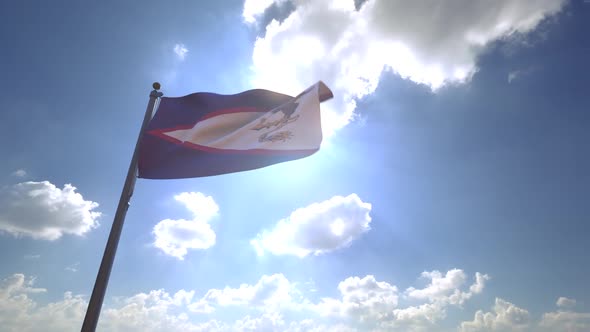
[(102, 278)]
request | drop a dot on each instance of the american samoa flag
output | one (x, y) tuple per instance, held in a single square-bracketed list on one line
[(204, 134)]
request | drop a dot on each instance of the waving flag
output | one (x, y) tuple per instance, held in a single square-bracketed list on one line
[(205, 134)]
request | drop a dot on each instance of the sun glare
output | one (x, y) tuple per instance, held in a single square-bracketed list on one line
[(337, 227)]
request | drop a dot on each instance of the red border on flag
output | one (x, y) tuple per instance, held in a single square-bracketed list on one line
[(161, 133)]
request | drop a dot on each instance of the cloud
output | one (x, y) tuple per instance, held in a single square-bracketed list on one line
[(20, 173), (273, 303), (519, 73), (271, 291), (564, 302), (505, 316), (31, 256), (439, 286), (428, 43), (376, 303), (566, 321), (156, 310), (202, 207), (513, 75), (176, 237), (40, 210), (152, 311), (317, 229), (447, 287), (276, 322), (362, 298), (255, 8), (266, 322), (180, 50), (264, 306), (18, 312), (416, 318), (17, 284), (73, 267), (441, 292)]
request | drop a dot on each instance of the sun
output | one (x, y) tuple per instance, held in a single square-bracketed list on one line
[(337, 227)]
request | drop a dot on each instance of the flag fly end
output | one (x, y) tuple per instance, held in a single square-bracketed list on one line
[(324, 92)]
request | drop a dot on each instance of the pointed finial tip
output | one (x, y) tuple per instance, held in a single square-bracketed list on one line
[(156, 86)]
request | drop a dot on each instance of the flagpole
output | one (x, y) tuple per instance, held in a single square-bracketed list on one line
[(102, 278)]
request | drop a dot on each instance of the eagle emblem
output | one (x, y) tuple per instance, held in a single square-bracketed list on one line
[(275, 120)]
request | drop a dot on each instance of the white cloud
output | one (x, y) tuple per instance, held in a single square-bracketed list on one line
[(513, 75), (156, 310), (366, 299), (255, 8), (180, 50), (19, 173), (17, 284), (31, 256), (564, 302), (416, 318), (18, 312), (271, 291), (429, 43), (73, 267), (308, 325), (566, 321), (152, 311), (275, 322), (176, 237), (441, 292), (42, 211), (447, 288), (479, 284), (266, 322), (440, 286), (505, 316), (203, 207), (519, 73), (317, 229), (376, 303), (271, 304)]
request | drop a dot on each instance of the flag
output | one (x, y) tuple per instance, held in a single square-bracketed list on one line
[(204, 134)]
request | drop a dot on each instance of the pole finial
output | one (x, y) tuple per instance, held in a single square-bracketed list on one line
[(156, 85)]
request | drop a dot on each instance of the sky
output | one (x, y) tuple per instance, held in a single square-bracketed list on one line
[(450, 192)]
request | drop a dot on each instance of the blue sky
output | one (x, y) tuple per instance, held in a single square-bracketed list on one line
[(455, 153)]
